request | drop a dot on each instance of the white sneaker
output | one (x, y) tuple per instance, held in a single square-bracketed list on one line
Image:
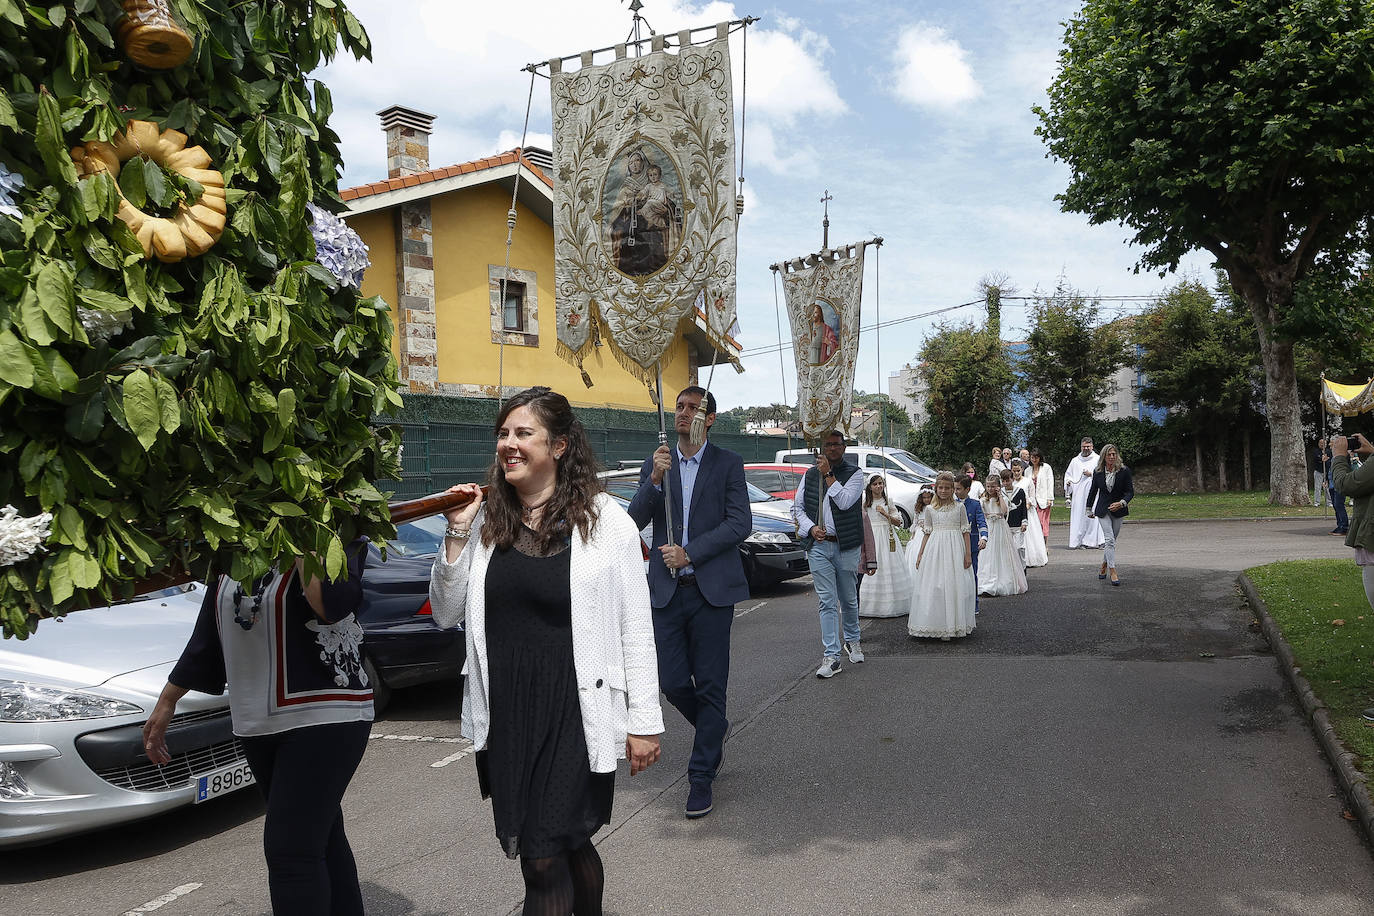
[(856, 654), (829, 667)]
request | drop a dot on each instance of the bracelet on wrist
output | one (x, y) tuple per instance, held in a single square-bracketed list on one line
[(458, 533)]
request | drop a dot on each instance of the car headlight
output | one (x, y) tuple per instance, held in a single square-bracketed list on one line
[(768, 537), (21, 701)]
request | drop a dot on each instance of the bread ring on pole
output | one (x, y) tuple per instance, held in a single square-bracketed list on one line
[(191, 230), (151, 36)]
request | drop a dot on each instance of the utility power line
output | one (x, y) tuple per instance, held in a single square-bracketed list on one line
[(787, 345)]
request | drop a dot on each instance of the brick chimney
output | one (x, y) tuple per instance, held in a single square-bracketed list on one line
[(407, 140)]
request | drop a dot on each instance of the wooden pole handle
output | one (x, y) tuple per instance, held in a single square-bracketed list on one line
[(409, 510)]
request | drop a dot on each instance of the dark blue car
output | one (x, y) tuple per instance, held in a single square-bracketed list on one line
[(402, 645)]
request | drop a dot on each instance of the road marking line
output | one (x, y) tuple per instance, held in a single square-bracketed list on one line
[(750, 610), (422, 738), (452, 757), (159, 902)]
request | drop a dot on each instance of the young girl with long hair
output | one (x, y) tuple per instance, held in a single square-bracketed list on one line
[(886, 593), (999, 567), (942, 602)]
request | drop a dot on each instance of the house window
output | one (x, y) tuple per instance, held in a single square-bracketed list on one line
[(1116, 407), (514, 317)]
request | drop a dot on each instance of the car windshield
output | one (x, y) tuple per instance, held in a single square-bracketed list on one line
[(418, 538), (759, 496), (908, 461)]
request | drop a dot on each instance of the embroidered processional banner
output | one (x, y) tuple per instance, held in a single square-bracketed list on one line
[(823, 294), (644, 201)]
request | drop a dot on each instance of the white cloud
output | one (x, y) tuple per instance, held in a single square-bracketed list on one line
[(462, 62), (932, 69), (510, 139)]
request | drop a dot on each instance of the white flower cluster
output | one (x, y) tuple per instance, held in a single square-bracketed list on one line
[(19, 536), (102, 324), (10, 183), (338, 248)]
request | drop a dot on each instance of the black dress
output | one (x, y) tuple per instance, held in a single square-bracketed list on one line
[(544, 796)]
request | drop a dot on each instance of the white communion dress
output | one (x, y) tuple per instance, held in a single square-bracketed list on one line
[(943, 593), (886, 593), (999, 564)]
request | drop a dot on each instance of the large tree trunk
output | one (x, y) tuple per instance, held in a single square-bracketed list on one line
[(1269, 296), (1245, 444), (1221, 464), (1197, 453)]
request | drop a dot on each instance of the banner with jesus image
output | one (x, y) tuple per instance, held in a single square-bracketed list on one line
[(823, 295), (644, 199)]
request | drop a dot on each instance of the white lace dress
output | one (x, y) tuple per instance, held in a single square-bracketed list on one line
[(943, 592), (999, 564), (886, 593)]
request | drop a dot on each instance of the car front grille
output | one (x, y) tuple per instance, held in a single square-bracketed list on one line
[(181, 772), (199, 715)]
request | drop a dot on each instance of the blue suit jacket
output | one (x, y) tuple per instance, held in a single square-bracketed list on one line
[(721, 519), (978, 522)]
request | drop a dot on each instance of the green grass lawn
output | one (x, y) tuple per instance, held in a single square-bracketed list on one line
[(1306, 598), (1235, 504)]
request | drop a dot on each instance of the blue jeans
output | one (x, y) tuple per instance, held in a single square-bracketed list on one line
[(832, 571), (1338, 503)]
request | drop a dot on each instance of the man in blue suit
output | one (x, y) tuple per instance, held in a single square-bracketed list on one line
[(695, 582), (977, 521)]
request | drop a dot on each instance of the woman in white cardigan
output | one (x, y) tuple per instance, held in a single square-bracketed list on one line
[(562, 678), (1039, 490)]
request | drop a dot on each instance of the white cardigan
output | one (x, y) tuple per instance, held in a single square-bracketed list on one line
[(612, 633), (1040, 494)]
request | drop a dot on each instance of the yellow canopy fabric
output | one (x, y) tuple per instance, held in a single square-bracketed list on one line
[(1348, 400)]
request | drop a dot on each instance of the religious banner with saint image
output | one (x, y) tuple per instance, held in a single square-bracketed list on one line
[(823, 294), (644, 202)]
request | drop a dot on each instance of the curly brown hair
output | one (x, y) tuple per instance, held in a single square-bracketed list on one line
[(573, 504)]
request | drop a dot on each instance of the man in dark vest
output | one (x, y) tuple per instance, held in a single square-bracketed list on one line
[(828, 509)]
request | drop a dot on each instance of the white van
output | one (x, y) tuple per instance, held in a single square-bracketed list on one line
[(905, 473)]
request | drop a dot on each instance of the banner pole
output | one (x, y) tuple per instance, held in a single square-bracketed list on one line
[(667, 478)]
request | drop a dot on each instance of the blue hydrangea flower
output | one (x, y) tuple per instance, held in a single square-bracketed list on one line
[(10, 183), (338, 248)]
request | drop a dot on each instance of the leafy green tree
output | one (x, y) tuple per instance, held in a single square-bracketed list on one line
[(1242, 128), (1067, 369), (214, 412), (1199, 359), (968, 378)]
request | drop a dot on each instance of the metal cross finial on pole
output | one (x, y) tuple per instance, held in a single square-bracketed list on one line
[(636, 31), (825, 223)]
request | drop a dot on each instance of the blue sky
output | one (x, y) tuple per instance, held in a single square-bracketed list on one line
[(917, 118)]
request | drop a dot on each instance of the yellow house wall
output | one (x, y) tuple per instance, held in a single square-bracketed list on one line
[(378, 232), (469, 234)]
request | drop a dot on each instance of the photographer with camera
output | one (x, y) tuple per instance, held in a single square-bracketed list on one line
[(1359, 486)]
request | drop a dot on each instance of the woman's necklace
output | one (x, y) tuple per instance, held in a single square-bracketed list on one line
[(259, 592), (527, 512)]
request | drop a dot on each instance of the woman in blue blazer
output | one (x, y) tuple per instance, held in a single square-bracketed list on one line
[(1108, 497)]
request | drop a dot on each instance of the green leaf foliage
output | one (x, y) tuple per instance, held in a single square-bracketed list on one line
[(196, 417), (1067, 370), (968, 377), (1242, 127)]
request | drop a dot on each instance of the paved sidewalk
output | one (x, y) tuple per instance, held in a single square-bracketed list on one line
[(1089, 749)]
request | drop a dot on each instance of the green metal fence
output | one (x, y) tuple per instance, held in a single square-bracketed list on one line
[(449, 440)]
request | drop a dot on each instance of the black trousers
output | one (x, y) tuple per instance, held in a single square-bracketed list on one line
[(693, 642), (302, 774)]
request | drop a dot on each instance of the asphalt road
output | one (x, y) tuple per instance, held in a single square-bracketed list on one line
[(1088, 749)]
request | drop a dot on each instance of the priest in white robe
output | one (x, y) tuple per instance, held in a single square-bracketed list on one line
[(1078, 479)]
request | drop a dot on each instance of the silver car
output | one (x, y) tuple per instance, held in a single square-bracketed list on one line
[(73, 700)]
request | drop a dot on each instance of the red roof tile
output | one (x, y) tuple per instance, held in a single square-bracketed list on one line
[(462, 168)]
